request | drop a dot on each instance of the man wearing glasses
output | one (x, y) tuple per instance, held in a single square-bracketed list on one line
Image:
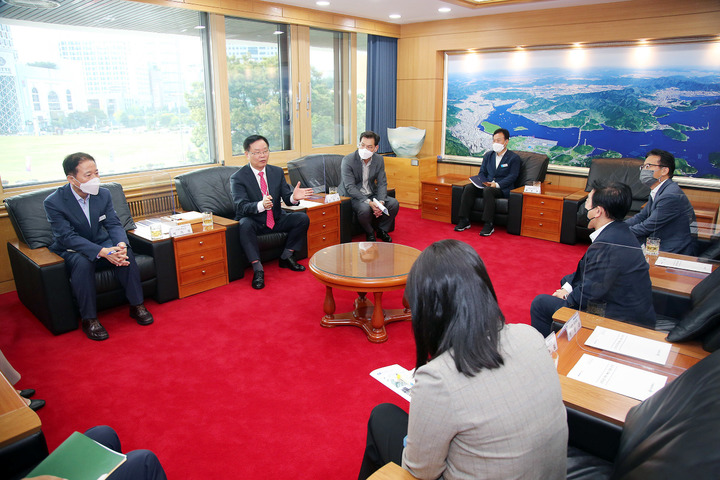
[(668, 214), (364, 181), (257, 189)]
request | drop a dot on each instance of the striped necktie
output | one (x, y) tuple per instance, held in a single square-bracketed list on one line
[(263, 186)]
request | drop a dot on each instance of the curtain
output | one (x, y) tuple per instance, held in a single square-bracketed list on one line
[(381, 87)]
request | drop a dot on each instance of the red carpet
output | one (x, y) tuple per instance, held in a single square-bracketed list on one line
[(238, 383)]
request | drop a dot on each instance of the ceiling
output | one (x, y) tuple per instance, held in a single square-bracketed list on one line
[(414, 11)]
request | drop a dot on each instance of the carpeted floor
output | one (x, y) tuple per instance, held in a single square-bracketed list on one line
[(238, 383)]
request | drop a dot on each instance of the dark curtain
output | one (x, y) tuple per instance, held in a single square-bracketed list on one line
[(381, 87)]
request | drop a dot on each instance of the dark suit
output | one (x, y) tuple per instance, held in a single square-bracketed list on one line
[(613, 271), (505, 175), (352, 181), (80, 242), (246, 195), (668, 218)]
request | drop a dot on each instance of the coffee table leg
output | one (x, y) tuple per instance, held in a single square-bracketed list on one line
[(329, 305), (378, 316), (405, 304), (362, 300)]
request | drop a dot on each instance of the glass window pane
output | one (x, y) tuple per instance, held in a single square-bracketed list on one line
[(106, 78), (258, 82), (329, 70), (361, 81)]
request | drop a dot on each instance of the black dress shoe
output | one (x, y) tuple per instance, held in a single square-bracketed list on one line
[(291, 264), (141, 314), (370, 237), (463, 224), (258, 280), (27, 393), (382, 235), (36, 404), (93, 329)]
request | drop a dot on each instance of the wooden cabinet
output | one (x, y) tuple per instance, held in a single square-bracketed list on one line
[(200, 260), (542, 212), (324, 227), (437, 196), (405, 175)]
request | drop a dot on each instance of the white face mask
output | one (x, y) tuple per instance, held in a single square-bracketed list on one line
[(498, 147), (364, 154), (91, 187)]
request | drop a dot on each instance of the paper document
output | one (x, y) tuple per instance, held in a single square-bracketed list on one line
[(478, 181), (616, 377), (396, 378), (630, 345), (683, 264), (308, 204), (380, 206)]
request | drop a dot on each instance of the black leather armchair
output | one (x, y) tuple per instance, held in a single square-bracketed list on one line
[(208, 190), (320, 171), (508, 211), (41, 280), (604, 170), (672, 434)]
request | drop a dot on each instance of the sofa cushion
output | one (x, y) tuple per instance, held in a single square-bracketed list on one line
[(317, 171), (533, 169), (676, 432), (207, 190), (120, 203), (625, 170), (27, 215)]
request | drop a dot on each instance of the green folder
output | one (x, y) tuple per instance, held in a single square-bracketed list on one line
[(79, 458)]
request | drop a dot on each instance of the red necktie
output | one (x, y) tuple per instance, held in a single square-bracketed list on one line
[(263, 186)]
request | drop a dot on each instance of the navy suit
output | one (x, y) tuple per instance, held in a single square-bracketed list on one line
[(79, 243), (246, 194), (352, 178), (505, 175), (613, 271), (668, 218)]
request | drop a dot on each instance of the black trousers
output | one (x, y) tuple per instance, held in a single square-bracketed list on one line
[(295, 224), (140, 464), (470, 193), (387, 427)]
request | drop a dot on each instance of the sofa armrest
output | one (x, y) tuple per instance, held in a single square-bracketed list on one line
[(568, 226), (593, 435), (164, 258), (515, 206)]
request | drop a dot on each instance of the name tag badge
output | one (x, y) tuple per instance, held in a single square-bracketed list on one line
[(532, 189), (102, 217), (551, 343), (573, 325), (180, 230)]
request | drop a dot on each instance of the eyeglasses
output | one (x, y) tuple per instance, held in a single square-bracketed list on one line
[(260, 153), (366, 147), (648, 165)]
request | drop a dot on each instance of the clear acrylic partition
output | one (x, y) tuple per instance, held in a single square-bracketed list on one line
[(154, 204)]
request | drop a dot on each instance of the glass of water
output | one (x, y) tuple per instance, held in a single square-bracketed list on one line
[(652, 246), (207, 219)]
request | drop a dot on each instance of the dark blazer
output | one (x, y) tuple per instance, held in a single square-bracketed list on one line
[(614, 271), (351, 174), (246, 192), (668, 218), (505, 174), (70, 226)]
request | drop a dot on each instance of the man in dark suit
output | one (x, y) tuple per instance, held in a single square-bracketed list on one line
[(499, 170), (613, 271), (257, 189), (364, 181), (88, 235), (668, 213)]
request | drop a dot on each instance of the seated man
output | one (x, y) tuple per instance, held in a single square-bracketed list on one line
[(363, 180), (256, 190), (609, 272), (500, 169), (668, 213), (88, 234)]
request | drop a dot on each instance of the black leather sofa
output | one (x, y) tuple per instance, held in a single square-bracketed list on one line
[(41, 280), (208, 190), (508, 211), (672, 434), (574, 226), (319, 172)]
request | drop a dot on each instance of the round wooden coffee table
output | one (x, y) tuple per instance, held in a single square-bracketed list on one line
[(364, 267)]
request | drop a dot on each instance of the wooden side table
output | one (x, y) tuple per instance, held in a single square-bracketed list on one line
[(542, 212), (324, 229), (405, 175), (200, 260), (437, 196)]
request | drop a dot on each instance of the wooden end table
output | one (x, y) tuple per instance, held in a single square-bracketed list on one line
[(542, 212), (364, 267)]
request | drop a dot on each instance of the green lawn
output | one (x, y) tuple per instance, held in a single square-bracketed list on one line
[(30, 159)]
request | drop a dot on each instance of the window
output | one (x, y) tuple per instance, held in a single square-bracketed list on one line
[(140, 88), (361, 78), (258, 69)]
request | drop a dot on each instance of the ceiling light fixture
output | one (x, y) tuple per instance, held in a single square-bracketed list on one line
[(322, 3), (395, 16), (444, 9)]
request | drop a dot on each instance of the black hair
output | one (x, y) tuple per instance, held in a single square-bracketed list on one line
[(371, 134), (615, 198), (504, 131), (252, 139), (454, 307), (667, 159), (71, 162)]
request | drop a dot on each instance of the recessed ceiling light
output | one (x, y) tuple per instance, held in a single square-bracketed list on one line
[(322, 3), (444, 9), (395, 15)]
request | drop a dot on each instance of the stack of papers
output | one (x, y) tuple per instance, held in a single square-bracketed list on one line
[(396, 378), (616, 377), (683, 264), (630, 345)]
